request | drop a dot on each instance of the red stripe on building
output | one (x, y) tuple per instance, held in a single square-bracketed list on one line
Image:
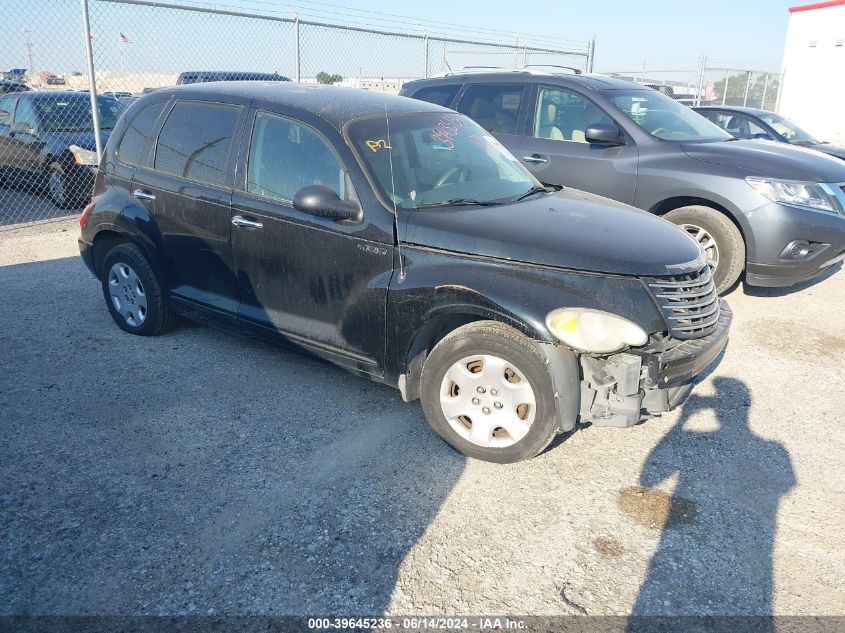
[(817, 5)]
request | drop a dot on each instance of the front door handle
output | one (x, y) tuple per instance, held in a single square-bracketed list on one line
[(141, 194), (239, 220), (534, 158)]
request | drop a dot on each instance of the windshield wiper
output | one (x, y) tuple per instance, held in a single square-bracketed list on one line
[(458, 202), (531, 192)]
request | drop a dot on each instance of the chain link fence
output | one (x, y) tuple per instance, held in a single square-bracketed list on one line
[(46, 123), (711, 83)]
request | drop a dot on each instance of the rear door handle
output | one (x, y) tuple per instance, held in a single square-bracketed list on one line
[(239, 220), (141, 194), (534, 158)]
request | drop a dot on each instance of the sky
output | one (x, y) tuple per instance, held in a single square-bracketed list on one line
[(665, 33), (660, 34)]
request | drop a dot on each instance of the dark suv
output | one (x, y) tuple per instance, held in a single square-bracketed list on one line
[(401, 241), (778, 212)]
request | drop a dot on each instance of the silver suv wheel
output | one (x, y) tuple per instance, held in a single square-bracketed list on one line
[(707, 243)]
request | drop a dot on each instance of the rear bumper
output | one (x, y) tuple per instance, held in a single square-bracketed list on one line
[(625, 388)]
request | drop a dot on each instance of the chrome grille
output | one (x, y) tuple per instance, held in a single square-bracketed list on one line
[(689, 303)]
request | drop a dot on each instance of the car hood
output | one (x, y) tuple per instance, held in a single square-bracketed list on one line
[(63, 140), (831, 150), (770, 160), (571, 229)]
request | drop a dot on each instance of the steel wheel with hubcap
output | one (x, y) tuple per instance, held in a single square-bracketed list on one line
[(127, 294), (133, 293), (487, 401), (485, 390)]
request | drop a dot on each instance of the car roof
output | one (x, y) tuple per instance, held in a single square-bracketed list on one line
[(337, 105), (59, 94), (592, 81)]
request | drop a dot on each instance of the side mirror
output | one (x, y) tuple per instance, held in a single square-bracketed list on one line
[(604, 134), (20, 127), (322, 201)]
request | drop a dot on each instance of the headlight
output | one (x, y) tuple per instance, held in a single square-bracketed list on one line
[(594, 331), (83, 156), (805, 194)]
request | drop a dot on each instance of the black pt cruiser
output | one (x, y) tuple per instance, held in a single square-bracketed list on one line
[(400, 240)]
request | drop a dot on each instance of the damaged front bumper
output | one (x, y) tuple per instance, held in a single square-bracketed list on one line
[(622, 389)]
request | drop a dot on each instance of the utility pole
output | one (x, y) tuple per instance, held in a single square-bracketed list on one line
[(28, 44)]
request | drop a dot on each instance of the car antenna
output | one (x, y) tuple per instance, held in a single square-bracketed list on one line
[(393, 196)]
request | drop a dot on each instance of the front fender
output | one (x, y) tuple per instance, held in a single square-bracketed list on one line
[(519, 295)]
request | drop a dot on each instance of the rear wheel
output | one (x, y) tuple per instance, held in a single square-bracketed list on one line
[(718, 237), (486, 391), (133, 293)]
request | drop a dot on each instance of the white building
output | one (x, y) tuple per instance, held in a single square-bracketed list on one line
[(812, 91)]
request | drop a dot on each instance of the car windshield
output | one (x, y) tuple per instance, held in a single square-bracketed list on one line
[(73, 114), (788, 130), (665, 118), (438, 159)]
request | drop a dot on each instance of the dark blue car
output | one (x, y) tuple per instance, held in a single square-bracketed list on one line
[(47, 142), (753, 123)]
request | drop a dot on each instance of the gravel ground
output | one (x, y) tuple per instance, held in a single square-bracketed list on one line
[(200, 472)]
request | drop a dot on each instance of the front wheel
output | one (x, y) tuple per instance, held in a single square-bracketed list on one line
[(718, 237), (61, 189), (486, 391)]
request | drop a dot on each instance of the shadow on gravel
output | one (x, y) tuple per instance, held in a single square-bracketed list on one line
[(718, 527), (195, 472)]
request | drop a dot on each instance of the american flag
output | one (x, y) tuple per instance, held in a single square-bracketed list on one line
[(125, 39)]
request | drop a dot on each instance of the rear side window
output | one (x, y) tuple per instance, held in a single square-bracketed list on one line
[(439, 95), (494, 107), (137, 141), (195, 141)]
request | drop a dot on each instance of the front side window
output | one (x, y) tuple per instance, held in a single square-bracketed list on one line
[(737, 125), (493, 107), (788, 130), (285, 156), (565, 115), (137, 141), (195, 141), (437, 159), (663, 117), (25, 114)]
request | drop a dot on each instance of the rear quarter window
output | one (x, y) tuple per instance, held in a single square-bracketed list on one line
[(137, 141), (195, 141), (438, 95)]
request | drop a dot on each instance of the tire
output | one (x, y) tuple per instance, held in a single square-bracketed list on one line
[(702, 224), (61, 191), (133, 293), (485, 348)]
